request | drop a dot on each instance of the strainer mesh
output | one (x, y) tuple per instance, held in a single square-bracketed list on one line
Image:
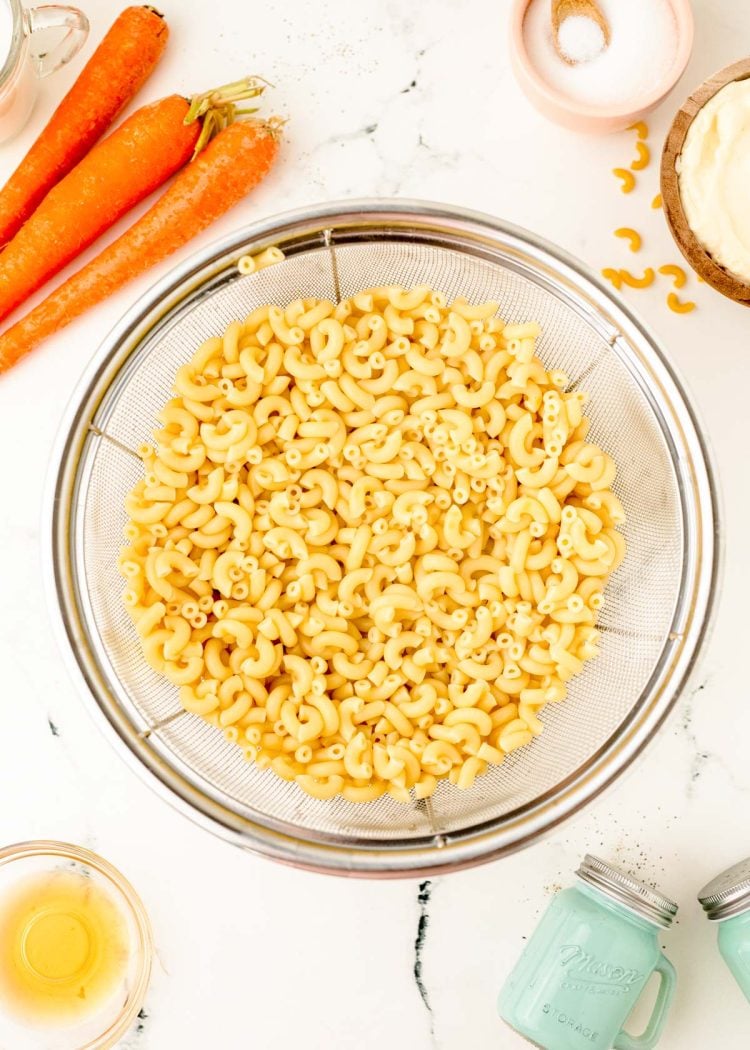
[(640, 600)]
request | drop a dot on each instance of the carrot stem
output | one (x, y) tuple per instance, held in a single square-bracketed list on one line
[(220, 98), (217, 108)]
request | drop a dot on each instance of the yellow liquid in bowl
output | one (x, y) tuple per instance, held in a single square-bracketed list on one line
[(64, 948)]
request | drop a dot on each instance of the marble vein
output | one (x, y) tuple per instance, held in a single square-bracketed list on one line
[(700, 757), (423, 899), (703, 757)]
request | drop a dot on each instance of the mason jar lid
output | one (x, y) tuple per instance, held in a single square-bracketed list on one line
[(729, 893), (623, 888)]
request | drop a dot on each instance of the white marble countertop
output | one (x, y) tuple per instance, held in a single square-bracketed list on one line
[(413, 100)]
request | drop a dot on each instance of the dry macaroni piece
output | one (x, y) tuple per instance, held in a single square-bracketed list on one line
[(372, 540), (679, 306), (631, 236), (637, 282), (613, 276), (627, 178), (643, 158), (641, 128), (656, 203), (676, 273)]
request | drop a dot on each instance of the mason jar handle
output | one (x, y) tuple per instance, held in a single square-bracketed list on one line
[(658, 1018), (53, 16)]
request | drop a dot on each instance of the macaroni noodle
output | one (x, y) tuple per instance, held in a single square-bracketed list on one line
[(372, 539)]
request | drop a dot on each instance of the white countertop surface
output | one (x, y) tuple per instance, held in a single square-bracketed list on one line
[(387, 99)]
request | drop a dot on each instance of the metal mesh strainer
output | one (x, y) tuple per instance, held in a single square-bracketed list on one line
[(657, 603)]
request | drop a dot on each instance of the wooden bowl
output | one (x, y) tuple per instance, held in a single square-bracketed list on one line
[(696, 254)]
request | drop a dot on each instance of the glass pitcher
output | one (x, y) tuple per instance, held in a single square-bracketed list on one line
[(22, 66)]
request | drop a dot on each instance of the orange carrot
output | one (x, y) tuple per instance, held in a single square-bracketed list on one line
[(123, 169), (125, 58), (120, 171), (230, 166)]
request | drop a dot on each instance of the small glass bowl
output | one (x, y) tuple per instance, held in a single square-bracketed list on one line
[(578, 116), (107, 1026)]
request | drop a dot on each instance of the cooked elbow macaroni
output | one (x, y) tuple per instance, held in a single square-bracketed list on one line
[(371, 540), (248, 264)]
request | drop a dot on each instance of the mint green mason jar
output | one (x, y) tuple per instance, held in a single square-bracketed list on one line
[(726, 900), (587, 963)]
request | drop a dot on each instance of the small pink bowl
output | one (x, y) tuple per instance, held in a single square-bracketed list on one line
[(595, 119)]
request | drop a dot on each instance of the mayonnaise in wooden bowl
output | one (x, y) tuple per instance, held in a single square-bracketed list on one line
[(705, 173)]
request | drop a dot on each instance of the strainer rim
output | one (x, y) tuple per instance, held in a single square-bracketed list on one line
[(489, 839)]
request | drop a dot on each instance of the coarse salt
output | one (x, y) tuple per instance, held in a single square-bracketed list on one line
[(640, 54), (580, 38)]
